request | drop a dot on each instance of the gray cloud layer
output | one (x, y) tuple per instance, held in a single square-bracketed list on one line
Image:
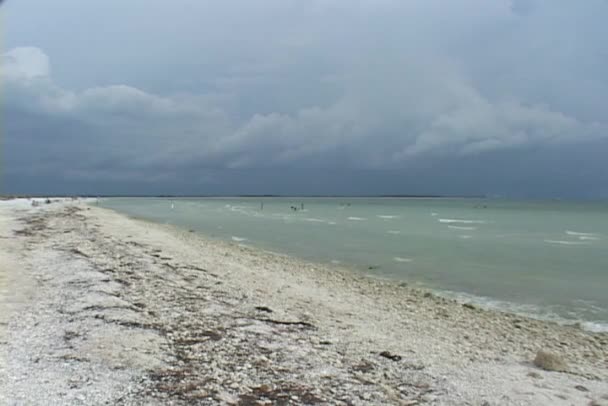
[(119, 93)]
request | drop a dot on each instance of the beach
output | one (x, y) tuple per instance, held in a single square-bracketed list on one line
[(100, 308)]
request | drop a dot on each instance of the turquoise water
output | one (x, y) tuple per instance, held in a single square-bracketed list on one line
[(546, 259)]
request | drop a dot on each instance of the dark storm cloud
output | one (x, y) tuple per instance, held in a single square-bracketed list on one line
[(190, 93)]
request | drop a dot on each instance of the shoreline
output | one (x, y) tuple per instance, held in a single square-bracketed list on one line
[(484, 302), (162, 314)]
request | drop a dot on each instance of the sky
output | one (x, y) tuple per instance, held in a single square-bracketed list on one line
[(504, 98)]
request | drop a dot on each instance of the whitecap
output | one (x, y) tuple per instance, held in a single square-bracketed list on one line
[(461, 221), (335, 261), (465, 237), (314, 220), (357, 218), (434, 214), (332, 223), (595, 327), (588, 238), (387, 217), (238, 239), (399, 259), (578, 234), (462, 228), (565, 242)]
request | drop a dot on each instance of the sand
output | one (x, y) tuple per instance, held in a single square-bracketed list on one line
[(105, 309)]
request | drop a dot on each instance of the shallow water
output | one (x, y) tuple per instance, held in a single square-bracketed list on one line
[(547, 259)]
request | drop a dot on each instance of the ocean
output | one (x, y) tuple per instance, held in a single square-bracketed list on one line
[(547, 260)]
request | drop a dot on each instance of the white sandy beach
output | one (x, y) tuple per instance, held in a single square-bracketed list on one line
[(98, 308)]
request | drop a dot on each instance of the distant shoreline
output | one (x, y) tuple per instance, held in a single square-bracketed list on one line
[(396, 196), (278, 196)]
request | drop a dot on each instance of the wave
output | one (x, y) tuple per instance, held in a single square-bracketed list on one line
[(399, 259), (314, 220), (394, 232), (595, 327), (357, 218), (387, 217), (588, 238), (462, 228), (576, 233), (526, 310), (465, 237), (461, 221), (566, 242), (332, 223), (238, 239), (434, 214)]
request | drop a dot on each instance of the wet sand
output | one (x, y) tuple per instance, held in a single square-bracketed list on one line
[(122, 311)]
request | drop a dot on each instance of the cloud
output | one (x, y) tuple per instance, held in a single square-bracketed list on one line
[(323, 84), (442, 113), (25, 63)]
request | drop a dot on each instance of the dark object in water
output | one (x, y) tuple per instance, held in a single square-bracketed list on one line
[(263, 309)]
